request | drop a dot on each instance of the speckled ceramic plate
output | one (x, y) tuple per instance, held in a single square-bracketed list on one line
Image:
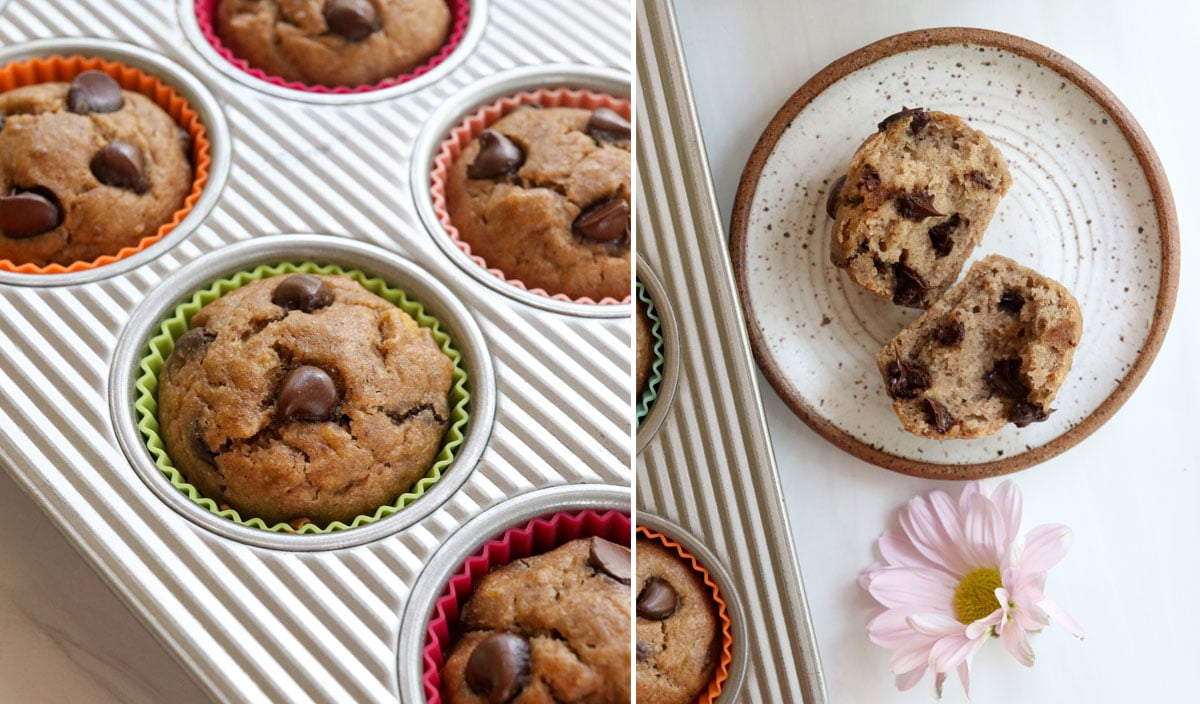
[(1089, 206)]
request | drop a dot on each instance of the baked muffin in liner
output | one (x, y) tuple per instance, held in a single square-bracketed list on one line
[(646, 399)]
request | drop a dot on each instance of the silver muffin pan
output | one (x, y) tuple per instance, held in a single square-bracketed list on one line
[(254, 618)]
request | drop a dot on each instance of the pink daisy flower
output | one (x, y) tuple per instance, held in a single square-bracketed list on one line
[(955, 573)]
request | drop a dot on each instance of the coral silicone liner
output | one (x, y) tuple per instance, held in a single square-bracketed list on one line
[(64, 69), (533, 538), (480, 120), (721, 674), (460, 15), (159, 349), (656, 367)]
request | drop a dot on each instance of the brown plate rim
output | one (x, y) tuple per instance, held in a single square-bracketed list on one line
[(1164, 206)]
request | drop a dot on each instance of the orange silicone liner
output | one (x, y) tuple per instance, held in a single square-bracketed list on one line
[(721, 674), (63, 69), (480, 120)]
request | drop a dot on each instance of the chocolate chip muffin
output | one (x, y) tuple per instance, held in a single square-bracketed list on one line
[(334, 42), (545, 629), (543, 196), (917, 197), (304, 398), (86, 169), (644, 346), (677, 627), (994, 350)]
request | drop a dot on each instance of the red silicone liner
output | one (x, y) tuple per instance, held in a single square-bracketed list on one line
[(533, 538), (460, 14), (480, 120)]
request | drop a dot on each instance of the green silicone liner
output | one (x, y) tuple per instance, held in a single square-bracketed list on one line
[(652, 384), (159, 348)]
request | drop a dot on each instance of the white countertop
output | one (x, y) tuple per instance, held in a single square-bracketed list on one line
[(1131, 491)]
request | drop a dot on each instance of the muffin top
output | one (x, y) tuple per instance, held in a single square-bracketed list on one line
[(303, 397), (334, 42), (544, 629), (86, 169), (543, 195), (676, 627)]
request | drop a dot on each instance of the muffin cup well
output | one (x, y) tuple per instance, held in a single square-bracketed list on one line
[(50, 69), (466, 24), (160, 346), (721, 673), (456, 123), (654, 405), (646, 401), (526, 525)]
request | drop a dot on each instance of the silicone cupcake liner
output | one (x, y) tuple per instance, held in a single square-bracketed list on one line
[(63, 69), (655, 378), (460, 15), (477, 122), (533, 538), (721, 673), (160, 346)]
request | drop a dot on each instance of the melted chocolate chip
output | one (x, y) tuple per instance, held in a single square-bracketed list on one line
[(191, 344), (939, 235), (657, 600), (29, 213), (981, 180), (869, 178), (3, 120), (950, 333), (940, 418), (1011, 302), (610, 559), (120, 165), (94, 91), (1024, 413), (606, 221), (187, 143), (607, 126), (498, 668), (1005, 379), (919, 116), (909, 285), (916, 206), (497, 156), (645, 651), (303, 292), (906, 379), (831, 203), (355, 20), (307, 393), (200, 448)]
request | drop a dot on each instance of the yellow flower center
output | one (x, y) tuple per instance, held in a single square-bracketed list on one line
[(975, 597)]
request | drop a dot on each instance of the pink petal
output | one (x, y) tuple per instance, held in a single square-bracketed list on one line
[(890, 628), (964, 676), (949, 651), (914, 653), (974, 488), (935, 625), (897, 549), (928, 534), (1007, 498), (920, 589), (908, 680), (865, 577), (1057, 613), (1045, 546), (1017, 643), (938, 680), (983, 626), (951, 519), (984, 530)]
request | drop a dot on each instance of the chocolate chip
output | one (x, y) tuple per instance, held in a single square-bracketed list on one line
[(120, 165), (906, 379), (909, 285), (3, 119), (497, 156), (498, 668), (187, 143), (307, 393), (981, 180), (920, 118), (303, 292), (1005, 379), (950, 334), (940, 418), (645, 651), (200, 448), (869, 178), (1011, 302), (1024, 413), (191, 344), (607, 126), (606, 221), (916, 206), (94, 91), (939, 235), (26, 214), (831, 203), (353, 19), (657, 600), (611, 559)]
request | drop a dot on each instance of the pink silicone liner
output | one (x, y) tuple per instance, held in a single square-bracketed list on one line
[(460, 14), (533, 538), (477, 122)]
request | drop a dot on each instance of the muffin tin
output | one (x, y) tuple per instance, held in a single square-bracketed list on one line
[(259, 616)]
